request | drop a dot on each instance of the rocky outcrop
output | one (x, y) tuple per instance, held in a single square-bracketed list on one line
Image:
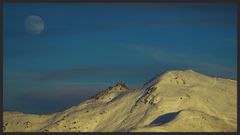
[(111, 91)]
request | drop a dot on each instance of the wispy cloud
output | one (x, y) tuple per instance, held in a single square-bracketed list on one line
[(58, 98), (22, 74), (85, 72), (81, 76), (148, 22), (182, 59), (158, 54), (180, 21), (60, 30)]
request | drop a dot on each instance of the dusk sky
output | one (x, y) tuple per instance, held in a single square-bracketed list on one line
[(84, 48)]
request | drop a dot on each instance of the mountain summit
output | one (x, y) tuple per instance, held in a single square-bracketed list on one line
[(175, 101), (111, 92)]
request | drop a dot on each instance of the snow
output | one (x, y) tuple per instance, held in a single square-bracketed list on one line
[(204, 103)]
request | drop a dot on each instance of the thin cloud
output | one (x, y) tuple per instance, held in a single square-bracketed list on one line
[(60, 30), (79, 76), (22, 74), (93, 72), (130, 24), (180, 58), (59, 98)]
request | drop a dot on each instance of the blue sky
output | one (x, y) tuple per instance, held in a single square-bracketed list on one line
[(86, 47)]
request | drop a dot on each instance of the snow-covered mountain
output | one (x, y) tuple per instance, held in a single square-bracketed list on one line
[(171, 102)]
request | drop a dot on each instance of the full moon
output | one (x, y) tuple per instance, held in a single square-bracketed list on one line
[(34, 24)]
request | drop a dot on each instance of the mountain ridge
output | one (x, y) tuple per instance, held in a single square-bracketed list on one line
[(118, 109)]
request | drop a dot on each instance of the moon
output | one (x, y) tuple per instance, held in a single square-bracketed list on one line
[(34, 24)]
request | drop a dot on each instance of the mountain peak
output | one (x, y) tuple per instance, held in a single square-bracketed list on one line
[(112, 91), (173, 77), (120, 86)]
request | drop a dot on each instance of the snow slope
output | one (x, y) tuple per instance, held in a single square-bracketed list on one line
[(200, 102)]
